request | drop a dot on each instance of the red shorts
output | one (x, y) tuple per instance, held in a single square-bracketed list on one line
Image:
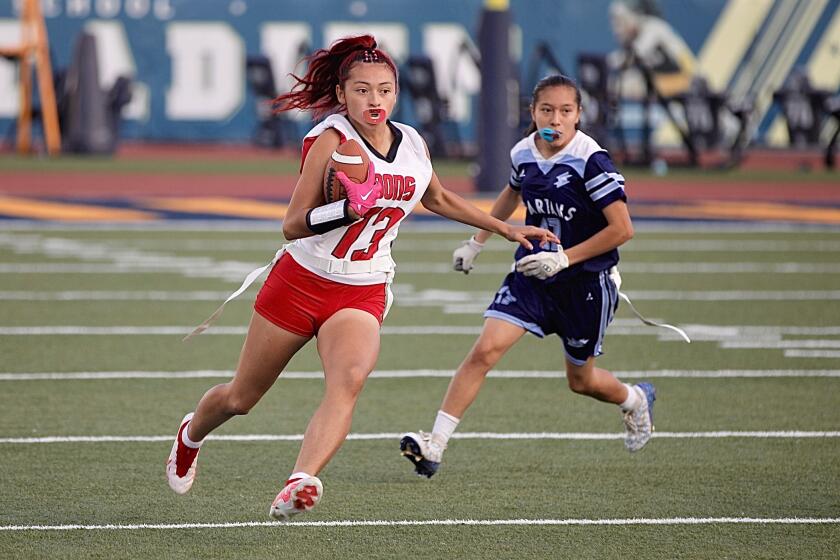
[(300, 301)]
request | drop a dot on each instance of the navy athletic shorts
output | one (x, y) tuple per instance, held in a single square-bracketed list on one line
[(578, 310)]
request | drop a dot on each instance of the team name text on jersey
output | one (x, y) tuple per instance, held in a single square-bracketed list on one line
[(396, 187), (547, 206)]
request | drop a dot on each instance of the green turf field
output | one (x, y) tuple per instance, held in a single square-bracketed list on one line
[(746, 463)]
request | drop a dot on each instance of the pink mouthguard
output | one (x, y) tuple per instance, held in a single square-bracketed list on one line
[(375, 116)]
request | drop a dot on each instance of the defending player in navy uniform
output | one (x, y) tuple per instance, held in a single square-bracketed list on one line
[(570, 186)]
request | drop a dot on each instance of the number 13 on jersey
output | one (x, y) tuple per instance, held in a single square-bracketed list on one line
[(376, 223)]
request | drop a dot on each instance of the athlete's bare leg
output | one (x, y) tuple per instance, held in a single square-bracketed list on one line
[(266, 351), (348, 343), (496, 338), (595, 382)]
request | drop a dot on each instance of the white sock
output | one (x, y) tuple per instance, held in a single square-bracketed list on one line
[(633, 399), (445, 424), (300, 474), (185, 439)]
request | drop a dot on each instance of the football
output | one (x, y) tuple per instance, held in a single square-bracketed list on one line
[(350, 158)]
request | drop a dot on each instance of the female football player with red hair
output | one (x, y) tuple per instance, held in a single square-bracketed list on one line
[(332, 281)]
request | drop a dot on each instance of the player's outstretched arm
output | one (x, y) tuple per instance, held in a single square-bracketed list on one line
[(504, 206), (449, 205)]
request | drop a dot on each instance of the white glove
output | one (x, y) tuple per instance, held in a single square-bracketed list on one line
[(543, 265), (463, 256)]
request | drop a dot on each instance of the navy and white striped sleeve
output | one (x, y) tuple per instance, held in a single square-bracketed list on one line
[(515, 178), (520, 154), (604, 184)]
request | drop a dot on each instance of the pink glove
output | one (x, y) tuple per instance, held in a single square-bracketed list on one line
[(362, 196)]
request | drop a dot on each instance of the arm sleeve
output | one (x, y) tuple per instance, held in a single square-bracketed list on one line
[(604, 184)]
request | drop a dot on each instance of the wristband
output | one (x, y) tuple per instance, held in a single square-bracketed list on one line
[(329, 217)]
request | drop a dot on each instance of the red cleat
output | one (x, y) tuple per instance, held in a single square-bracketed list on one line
[(299, 495), (181, 464)]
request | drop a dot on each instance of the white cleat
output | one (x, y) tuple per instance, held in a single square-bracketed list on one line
[(181, 475), (423, 451), (298, 496), (638, 424)]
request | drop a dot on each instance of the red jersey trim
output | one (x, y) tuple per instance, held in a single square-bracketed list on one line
[(307, 145)]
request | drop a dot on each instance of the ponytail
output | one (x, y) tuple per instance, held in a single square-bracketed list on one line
[(315, 91)]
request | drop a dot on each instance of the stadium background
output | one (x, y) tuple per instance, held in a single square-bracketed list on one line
[(106, 258)]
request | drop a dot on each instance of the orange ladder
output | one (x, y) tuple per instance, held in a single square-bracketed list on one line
[(34, 48)]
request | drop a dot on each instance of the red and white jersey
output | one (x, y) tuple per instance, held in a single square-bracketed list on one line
[(405, 172)]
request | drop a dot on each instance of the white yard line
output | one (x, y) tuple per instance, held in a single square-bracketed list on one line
[(437, 522), (734, 295), (408, 297), (436, 226), (427, 373), (777, 344), (112, 331), (76, 330), (112, 257), (812, 354), (205, 266), (622, 327), (633, 267), (385, 436), (698, 245), (410, 244), (126, 295), (727, 337), (208, 226)]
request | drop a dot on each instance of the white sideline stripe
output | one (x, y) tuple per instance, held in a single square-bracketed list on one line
[(423, 373), (812, 353), (426, 297), (196, 267), (779, 344), (123, 331), (794, 434), (216, 330), (431, 226), (635, 246), (157, 295), (406, 244), (651, 268), (438, 522), (620, 327), (732, 295)]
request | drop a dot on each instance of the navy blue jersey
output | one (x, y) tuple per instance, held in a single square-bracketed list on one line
[(566, 194)]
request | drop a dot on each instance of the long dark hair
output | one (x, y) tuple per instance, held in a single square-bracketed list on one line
[(315, 91), (552, 81)]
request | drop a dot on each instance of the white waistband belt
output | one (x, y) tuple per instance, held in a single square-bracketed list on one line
[(338, 266)]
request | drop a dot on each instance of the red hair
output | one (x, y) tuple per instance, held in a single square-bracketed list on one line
[(315, 91)]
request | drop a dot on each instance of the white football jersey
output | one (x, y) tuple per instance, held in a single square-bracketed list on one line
[(405, 172)]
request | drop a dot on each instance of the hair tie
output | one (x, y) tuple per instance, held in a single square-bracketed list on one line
[(370, 55)]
